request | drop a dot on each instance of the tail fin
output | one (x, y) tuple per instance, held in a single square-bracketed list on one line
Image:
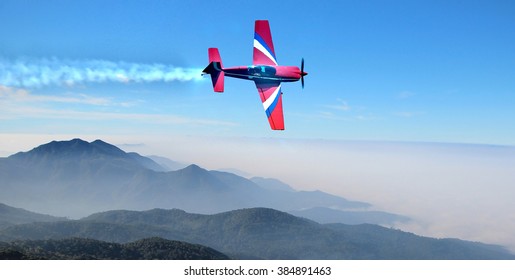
[(215, 69)]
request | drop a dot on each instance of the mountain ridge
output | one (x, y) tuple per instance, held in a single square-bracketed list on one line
[(13, 216), (85, 177), (260, 233), (72, 148)]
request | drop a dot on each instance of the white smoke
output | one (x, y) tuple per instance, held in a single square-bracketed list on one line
[(34, 73)]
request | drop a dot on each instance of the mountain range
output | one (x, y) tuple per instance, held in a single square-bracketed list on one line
[(255, 233), (75, 178), (236, 217)]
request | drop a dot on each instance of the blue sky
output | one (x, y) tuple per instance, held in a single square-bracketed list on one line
[(432, 71), (128, 72)]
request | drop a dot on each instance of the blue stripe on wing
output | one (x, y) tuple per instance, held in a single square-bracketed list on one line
[(264, 44)]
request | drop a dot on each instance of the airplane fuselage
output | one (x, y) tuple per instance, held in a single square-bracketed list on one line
[(265, 72)]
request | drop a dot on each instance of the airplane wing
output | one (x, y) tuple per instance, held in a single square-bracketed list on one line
[(271, 96), (264, 53)]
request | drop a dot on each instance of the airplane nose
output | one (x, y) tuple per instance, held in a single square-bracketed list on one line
[(302, 73)]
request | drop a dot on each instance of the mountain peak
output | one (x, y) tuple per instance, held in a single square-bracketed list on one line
[(193, 169), (99, 142), (107, 148), (75, 151), (71, 148)]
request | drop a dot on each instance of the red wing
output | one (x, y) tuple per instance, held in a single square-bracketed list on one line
[(264, 53), (271, 97)]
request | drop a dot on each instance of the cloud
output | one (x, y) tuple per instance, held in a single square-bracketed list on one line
[(341, 105), (16, 103), (342, 111), (35, 73), (10, 94), (405, 94), (46, 113), (407, 114), (449, 190)]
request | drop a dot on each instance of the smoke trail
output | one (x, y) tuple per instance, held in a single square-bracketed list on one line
[(33, 73)]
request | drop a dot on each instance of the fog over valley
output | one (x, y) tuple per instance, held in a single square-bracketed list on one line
[(462, 190), (447, 190)]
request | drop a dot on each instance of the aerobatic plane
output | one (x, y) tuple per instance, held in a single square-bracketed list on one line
[(264, 71)]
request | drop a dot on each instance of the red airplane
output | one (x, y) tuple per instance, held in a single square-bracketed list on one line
[(264, 71)]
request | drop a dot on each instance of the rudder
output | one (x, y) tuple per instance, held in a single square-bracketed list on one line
[(214, 56), (215, 69)]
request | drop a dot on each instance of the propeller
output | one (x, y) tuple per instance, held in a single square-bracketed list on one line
[(302, 73)]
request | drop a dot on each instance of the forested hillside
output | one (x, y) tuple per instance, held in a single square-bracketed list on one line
[(90, 249)]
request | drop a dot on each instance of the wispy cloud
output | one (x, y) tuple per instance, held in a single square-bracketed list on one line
[(332, 116), (67, 114), (405, 94), (407, 114), (342, 111), (22, 95), (34, 73), (336, 117), (340, 105), (16, 103)]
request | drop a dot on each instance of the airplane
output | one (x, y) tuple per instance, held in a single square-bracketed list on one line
[(264, 71)]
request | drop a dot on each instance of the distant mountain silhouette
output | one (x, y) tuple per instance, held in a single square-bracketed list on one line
[(271, 184), (327, 215), (75, 178), (235, 171), (259, 233), (167, 164), (79, 150)]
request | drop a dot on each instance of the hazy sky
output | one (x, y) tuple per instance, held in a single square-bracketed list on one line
[(378, 70), (128, 72)]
